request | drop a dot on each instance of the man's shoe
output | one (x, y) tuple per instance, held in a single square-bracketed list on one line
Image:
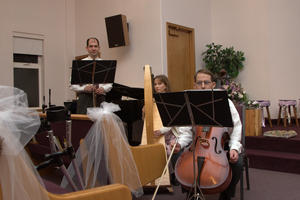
[(174, 180)]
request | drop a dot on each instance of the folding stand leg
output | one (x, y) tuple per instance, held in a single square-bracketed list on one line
[(69, 178), (69, 145), (195, 192), (247, 173), (242, 184), (62, 166)]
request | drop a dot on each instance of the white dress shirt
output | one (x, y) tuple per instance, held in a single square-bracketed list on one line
[(184, 134), (235, 132)]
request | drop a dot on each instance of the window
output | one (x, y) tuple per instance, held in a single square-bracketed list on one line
[(28, 68)]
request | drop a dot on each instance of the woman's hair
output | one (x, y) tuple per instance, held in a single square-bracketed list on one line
[(164, 79)]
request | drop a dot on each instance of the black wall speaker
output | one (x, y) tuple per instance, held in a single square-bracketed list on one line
[(117, 31)]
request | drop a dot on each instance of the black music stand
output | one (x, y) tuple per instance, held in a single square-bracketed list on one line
[(93, 72), (191, 108)]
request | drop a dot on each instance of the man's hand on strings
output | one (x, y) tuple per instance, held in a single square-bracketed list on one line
[(233, 156), (99, 90), (89, 88)]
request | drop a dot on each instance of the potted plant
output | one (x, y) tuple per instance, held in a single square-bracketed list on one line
[(252, 113), (238, 95), (223, 63)]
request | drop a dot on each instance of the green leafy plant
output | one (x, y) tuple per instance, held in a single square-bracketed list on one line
[(222, 61)]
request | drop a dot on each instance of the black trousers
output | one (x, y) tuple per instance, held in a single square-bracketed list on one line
[(85, 100), (236, 169)]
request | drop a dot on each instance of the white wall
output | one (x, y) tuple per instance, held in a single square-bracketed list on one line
[(193, 14), (6, 43), (49, 19), (69, 46), (143, 17), (267, 31), (147, 32)]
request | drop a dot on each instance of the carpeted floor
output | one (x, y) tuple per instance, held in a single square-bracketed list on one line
[(264, 185), (272, 158)]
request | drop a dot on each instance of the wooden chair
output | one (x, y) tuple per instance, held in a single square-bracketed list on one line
[(265, 104), (84, 56), (150, 161), (114, 191), (285, 106), (108, 192)]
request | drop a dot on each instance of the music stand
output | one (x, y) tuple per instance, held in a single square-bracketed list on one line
[(93, 72), (194, 107)]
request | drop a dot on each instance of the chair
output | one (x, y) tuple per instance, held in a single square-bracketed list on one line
[(150, 161), (286, 105), (265, 104), (108, 192), (114, 191), (245, 167), (84, 56)]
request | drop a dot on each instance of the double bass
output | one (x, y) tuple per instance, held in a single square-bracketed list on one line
[(211, 167)]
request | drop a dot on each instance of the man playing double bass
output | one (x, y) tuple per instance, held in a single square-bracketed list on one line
[(204, 79)]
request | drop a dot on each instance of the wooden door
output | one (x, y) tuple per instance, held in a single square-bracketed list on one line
[(180, 56)]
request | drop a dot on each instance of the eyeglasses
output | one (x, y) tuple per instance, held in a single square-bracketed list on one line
[(203, 82)]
